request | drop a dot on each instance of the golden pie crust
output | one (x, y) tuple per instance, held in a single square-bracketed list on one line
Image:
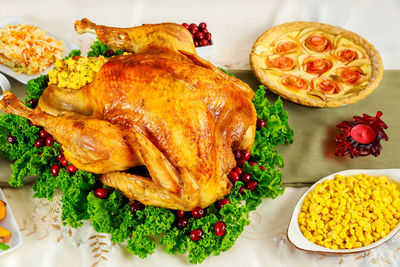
[(344, 71)]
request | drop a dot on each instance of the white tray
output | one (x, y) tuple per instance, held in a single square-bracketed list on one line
[(23, 78)]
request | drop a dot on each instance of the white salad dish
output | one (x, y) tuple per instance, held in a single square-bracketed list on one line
[(296, 237), (11, 225), (23, 78)]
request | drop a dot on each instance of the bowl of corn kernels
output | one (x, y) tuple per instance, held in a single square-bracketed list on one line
[(347, 212)]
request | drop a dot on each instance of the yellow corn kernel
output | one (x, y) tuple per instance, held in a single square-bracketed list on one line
[(342, 235), (349, 245), (357, 244)]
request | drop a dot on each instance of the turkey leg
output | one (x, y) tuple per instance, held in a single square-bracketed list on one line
[(142, 38), (90, 144)]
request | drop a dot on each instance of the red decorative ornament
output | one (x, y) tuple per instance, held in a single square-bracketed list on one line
[(361, 136)]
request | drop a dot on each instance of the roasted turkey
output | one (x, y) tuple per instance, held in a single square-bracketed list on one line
[(162, 107)]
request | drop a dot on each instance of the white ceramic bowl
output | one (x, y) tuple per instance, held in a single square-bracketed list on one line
[(206, 52), (11, 225), (24, 78), (296, 237)]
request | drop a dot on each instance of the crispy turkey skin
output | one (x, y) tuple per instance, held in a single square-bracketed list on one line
[(163, 107)]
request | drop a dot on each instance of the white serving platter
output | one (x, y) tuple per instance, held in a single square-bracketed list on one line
[(23, 78), (11, 225), (296, 237)]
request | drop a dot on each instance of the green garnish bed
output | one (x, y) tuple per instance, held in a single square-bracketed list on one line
[(144, 228)]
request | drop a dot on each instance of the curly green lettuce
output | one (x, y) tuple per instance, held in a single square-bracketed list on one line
[(141, 231), (100, 49), (35, 88)]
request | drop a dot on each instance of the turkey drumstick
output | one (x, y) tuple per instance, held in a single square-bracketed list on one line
[(141, 38)]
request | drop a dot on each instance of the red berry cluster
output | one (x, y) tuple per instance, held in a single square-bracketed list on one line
[(241, 157), (346, 143), (55, 169), (237, 173), (196, 234), (201, 36), (46, 139)]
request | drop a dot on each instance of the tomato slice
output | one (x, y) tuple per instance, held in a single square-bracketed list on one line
[(294, 82)]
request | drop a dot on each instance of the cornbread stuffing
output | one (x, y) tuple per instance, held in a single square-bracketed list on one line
[(74, 73), (350, 212)]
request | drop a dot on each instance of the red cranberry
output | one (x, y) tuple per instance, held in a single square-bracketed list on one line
[(241, 190), (241, 162), (193, 25), (252, 163), (55, 169), (182, 222), (136, 206), (43, 133), (222, 202), (39, 142), (198, 212), (199, 36), (193, 31), (202, 26), (185, 25), (60, 156), (101, 192), (196, 234), (204, 42), (238, 170), (261, 123), (207, 36), (196, 43), (49, 140), (245, 154), (252, 185), (33, 102), (220, 228), (261, 168), (237, 154), (246, 178), (233, 177), (71, 169), (64, 162), (204, 31), (180, 213), (109, 53), (11, 139)]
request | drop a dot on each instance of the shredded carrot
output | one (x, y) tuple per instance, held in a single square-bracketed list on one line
[(28, 49)]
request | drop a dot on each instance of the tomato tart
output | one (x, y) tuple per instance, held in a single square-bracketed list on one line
[(316, 64)]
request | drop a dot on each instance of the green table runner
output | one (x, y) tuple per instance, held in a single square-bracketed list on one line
[(311, 156)]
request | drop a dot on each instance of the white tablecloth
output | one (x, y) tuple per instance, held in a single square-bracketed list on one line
[(235, 25)]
